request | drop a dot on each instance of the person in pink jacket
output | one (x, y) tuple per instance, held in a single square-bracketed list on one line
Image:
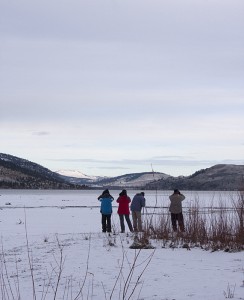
[(124, 211)]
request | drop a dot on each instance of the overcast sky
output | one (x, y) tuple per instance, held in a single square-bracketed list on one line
[(110, 87)]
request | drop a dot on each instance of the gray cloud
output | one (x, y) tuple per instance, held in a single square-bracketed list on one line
[(117, 168), (171, 166), (41, 133), (167, 161)]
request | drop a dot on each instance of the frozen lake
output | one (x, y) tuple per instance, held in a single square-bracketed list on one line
[(62, 211), (84, 198)]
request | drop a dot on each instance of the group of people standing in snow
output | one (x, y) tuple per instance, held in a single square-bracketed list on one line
[(124, 208), (137, 203)]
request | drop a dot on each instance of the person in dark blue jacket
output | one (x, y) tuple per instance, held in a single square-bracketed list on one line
[(138, 202), (106, 210)]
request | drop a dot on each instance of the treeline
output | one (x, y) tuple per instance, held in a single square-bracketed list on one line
[(36, 184)]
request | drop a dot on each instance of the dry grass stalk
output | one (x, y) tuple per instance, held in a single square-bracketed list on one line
[(219, 227)]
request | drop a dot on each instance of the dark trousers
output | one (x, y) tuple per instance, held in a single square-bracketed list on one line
[(177, 218), (106, 223), (122, 223)]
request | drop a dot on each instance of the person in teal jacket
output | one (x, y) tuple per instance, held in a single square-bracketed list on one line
[(106, 210)]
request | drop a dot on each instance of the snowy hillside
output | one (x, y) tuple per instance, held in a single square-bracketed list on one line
[(77, 177), (127, 180), (76, 174), (133, 180)]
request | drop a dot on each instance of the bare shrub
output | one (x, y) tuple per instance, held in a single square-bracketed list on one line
[(57, 285), (221, 227), (239, 210), (215, 227), (230, 292), (195, 224), (129, 283)]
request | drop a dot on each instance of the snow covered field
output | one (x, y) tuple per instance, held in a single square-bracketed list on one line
[(68, 223)]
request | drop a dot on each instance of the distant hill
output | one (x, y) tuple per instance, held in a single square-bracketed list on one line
[(219, 177), (20, 173), (77, 177), (133, 180)]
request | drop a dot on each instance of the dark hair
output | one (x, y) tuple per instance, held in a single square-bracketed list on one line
[(142, 193), (105, 192), (176, 191), (123, 193)]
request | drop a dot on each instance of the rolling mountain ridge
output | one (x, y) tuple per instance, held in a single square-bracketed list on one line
[(133, 180), (219, 177), (20, 173)]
